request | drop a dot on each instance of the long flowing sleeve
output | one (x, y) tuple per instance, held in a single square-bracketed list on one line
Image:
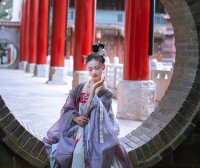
[(101, 142), (69, 109), (106, 100), (100, 134)]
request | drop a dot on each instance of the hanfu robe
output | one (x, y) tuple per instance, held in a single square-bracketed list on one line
[(95, 145)]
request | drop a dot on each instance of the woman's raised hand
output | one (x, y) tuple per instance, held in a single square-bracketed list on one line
[(96, 85), (92, 93), (80, 120)]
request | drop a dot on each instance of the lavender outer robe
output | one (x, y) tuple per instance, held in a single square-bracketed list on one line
[(101, 144)]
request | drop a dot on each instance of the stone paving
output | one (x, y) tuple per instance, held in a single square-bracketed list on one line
[(37, 104)]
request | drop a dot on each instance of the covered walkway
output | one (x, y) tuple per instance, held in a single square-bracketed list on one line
[(37, 104)]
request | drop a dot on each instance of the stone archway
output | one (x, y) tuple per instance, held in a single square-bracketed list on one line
[(9, 32), (177, 114), (168, 126), (15, 63)]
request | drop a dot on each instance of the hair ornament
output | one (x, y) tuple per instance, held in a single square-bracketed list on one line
[(99, 49), (98, 53), (84, 58)]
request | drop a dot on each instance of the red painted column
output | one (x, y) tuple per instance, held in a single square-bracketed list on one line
[(136, 46), (84, 31), (26, 30), (58, 33), (42, 34), (94, 21), (21, 57), (9, 55), (33, 32)]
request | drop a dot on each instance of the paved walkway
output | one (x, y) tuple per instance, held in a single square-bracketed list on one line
[(37, 104)]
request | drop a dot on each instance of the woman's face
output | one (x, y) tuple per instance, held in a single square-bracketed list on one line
[(95, 69)]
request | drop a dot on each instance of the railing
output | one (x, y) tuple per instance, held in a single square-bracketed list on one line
[(10, 24), (113, 17), (114, 73), (161, 76), (162, 79)]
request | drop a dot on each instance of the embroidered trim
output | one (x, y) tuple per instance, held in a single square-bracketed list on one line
[(101, 140)]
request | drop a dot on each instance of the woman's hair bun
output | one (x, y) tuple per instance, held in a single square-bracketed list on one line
[(98, 53), (97, 47)]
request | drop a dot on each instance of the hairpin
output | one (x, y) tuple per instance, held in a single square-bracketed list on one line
[(84, 58)]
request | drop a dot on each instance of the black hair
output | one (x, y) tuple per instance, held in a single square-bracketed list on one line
[(97, 54)]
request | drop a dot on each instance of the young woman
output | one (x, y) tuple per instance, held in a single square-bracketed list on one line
[(85, 136)]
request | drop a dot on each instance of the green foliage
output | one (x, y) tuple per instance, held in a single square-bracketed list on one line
[(6, 10)]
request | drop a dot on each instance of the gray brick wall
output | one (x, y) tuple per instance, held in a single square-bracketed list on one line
[(187, 154), (174, 120), (18, 147)]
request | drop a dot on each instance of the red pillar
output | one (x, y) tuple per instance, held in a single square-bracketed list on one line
[(26, 31), (84, 31), (58, 33), (136, 46), (94, 21), (33, 31), (21, 57), (42, 34), (9, 55)]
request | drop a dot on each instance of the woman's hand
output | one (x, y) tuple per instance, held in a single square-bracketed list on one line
[(92, 93), (96, 85), (80, 120)]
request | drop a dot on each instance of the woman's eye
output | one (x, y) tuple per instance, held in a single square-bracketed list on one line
[(96, 67)]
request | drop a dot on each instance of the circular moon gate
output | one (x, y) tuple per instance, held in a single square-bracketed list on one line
[(11, 35), (167, 127), (14, 64)]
